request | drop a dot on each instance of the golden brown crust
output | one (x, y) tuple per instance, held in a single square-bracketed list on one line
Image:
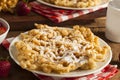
[(75, 3), (7, 5), (59, 50)]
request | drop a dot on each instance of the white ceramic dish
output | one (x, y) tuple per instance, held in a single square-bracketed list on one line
[(103, 2), (5, 24), (101, 65)]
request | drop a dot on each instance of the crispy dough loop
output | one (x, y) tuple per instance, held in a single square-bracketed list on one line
[(59, 50)]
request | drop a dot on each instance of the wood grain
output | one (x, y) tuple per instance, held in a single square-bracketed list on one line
[(26, 22)]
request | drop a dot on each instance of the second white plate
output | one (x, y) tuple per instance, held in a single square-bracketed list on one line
[(103, 2)]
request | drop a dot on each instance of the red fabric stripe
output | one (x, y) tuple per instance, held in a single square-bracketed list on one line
[(56, 19), (70, 16), (90, 76), (42, 77), (81, 12), (106, 68), (6, 44)]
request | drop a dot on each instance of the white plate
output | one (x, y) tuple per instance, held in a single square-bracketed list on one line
[(101, 65), (103, 2)]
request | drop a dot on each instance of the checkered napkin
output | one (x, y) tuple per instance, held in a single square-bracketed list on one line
[(106, 73), (60, 15)]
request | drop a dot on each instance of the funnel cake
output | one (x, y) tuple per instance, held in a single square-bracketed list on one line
[(75, 3), (59, 50)]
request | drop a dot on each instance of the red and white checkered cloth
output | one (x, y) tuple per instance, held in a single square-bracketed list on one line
[(60, 15), (105, 74)]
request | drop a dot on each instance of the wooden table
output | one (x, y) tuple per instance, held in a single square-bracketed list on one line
[(96, 21)]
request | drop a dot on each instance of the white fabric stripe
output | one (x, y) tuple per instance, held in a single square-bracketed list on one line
[(10, 39), (93, 78), (84, 78), (105, 74), (64, 18), (75, 15), (86, 11)]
